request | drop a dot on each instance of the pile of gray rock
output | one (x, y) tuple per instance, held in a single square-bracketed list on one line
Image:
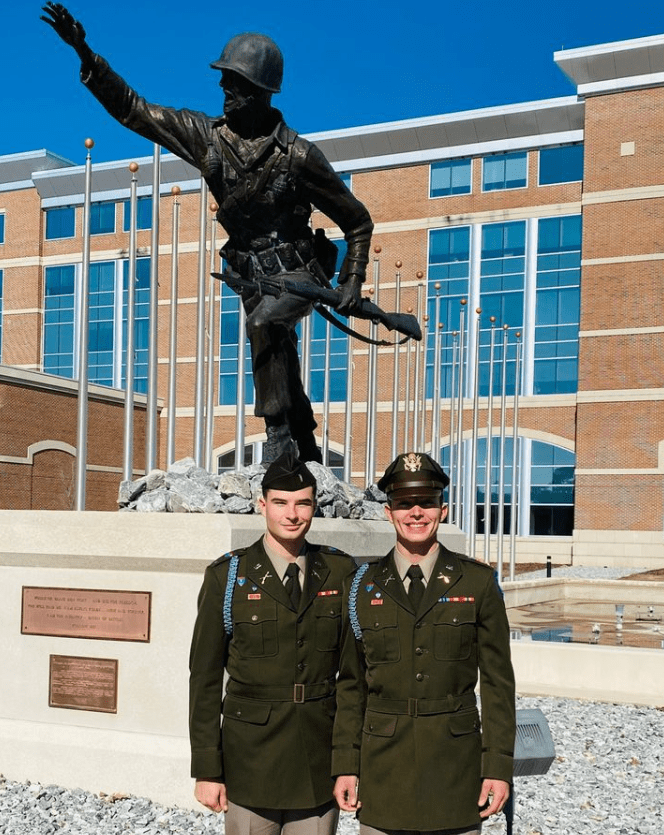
[(188, 488)]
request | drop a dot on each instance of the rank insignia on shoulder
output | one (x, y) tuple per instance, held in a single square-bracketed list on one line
[(254, 596), (327, 593)]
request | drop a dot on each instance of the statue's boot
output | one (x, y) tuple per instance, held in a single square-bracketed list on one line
[(307, 449), (279, 440)]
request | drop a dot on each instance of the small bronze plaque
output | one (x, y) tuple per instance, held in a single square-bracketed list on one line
[(86, 613), (83, 683)]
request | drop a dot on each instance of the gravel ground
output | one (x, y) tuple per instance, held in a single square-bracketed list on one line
[(607, 779)]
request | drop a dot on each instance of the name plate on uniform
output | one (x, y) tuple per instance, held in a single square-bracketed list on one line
[(86, 613), (83, 683)]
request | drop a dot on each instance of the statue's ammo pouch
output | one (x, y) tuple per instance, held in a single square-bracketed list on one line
[(325, 252)]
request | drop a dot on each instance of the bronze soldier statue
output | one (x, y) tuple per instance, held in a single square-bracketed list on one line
[(265, 180)]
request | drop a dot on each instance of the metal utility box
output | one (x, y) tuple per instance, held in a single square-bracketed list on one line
[(533, 750)]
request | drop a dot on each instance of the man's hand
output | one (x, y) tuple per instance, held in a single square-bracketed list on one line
[(345, 793), (350, 295), (211, 794), (69, 29), (496, 793)]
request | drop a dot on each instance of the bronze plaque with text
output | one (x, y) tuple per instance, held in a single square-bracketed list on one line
[(86, 613), (83, 683)]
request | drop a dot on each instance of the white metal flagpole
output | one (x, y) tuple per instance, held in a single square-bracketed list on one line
[(487, 459), (199, 400), (395, 373), (515, 458), (501, 464), (129, 340), (153, 341), (211, 346), (472, 525), (173, 331), (348, 422), (371, 388), (84, 326)]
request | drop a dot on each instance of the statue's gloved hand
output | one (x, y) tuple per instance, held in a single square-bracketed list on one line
[(67, 27), (350, 295)]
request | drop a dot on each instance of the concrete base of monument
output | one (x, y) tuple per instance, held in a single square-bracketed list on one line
[(56, 725)]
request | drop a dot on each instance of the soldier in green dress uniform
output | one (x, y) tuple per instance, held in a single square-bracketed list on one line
[(420, 626), (270, 616)]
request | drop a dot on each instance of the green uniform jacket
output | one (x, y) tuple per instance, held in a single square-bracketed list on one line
[(407, 720), (274, 749)]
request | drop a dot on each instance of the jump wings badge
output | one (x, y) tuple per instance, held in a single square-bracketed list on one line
[(412, 462)]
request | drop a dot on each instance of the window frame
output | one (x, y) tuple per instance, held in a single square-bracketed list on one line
[(100, 203), (454, 162), (505, 155), (558, 148), (48, 212)]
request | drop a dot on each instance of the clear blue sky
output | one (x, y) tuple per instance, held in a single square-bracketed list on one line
[(348, 62)]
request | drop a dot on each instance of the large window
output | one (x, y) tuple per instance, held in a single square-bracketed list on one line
[(557, 305), (551, 490), (59, 320), (143, 214), (560, 165), (102, 218), (450, 177), (449, 273), (60, 222), (101, 333), (544, 480), (505, 171), (107, 322), (141, 322)]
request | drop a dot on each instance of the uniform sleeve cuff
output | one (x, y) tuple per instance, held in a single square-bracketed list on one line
[(497, 766), (345, 761), (206, 764)]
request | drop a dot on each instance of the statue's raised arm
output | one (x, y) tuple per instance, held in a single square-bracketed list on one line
[(68, 28)]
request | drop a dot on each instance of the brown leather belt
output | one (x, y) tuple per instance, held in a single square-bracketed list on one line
[(421, 707)]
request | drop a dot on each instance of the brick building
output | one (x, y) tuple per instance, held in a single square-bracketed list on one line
[(546, 216)]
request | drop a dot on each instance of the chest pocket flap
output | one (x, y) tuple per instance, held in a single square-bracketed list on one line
[(328, 623), (255, 626), (379, 631), (454, 631)]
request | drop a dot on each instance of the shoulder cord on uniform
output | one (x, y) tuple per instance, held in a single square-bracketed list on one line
[(228, 595), (352, 600)]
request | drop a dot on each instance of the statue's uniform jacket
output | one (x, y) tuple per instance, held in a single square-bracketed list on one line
[(419, 748), (265, 190), (273, 749)]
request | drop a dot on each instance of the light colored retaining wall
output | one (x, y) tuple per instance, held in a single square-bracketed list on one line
[(581, 671), (526, 592), (143, 748)]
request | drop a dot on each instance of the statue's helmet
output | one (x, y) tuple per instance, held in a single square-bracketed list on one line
[(255, 57)]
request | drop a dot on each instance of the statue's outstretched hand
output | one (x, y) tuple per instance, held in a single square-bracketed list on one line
[(67, 27)]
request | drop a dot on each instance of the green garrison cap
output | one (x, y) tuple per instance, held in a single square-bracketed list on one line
[(413, 471), (288, 473)]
